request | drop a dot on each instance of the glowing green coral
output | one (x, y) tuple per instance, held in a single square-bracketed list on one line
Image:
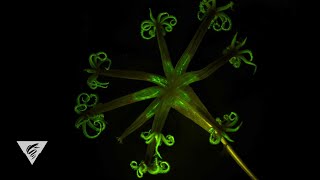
[(172, 91)]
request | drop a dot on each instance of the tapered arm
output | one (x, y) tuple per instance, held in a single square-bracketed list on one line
[(194, 76), (164, 52), (135, 75), (238, 160), (147, 93), (144, 117), (188, 54)]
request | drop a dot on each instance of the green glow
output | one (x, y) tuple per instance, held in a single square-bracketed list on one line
[(164, 19), (83, 102), (238, 55), (158, 80), (144, 117), (221, 21), (210, 17), (171, 91), (95, 61), (227, 126), (158, 138), (147, 93), (95, 122), (127, 74), (157, 167), (144, 94)]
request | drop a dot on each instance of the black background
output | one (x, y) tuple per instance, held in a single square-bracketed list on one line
[(49, 46)]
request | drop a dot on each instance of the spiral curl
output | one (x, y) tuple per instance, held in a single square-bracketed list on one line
[(95, 122), (84, 101), (221, 21), (158, 138), (239, 55), (150, 26), (227, 125), (156, 167), (95, 61)]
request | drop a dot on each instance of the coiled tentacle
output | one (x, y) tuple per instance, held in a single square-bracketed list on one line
[(221, 21), (239, 55), (165, 20), (95, 61)]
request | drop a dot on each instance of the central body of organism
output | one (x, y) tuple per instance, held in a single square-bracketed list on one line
[(171, 91)]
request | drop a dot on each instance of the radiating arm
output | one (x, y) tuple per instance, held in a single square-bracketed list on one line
[(194, 76), (238, 160), (158, 27), (141, 95), (188, 54), (144, 117), (194, 97), (135, 75), (161, 26), (189, 109), (157, 125)]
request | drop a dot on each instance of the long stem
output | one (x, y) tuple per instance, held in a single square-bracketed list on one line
[(190, 51), (144, 94), (134, 75), (143, 117), (164, 52), (194, 76), (238, 160)]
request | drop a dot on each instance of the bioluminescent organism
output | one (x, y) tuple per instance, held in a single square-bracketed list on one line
[(171, 91)]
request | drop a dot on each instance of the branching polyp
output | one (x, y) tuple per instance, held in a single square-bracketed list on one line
[(170, 91)]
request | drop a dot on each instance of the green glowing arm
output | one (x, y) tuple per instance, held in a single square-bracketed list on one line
[(161, 116), (144, 117), (194, 97), (164, 52), (194, 76), (209, 15), (232, 53), (215, 138), (190, 51), (188, 108), (238, 160), (147, 93), (157, 125), (135, 75), (158, 27)]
